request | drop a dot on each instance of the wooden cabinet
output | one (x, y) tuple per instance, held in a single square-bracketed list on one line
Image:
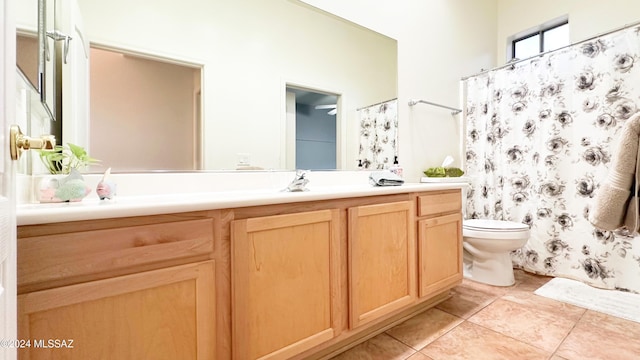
[(285, 283), (160, 314), (382, 262), (439, 203), (130, 288), (63, 254), (296, 280), (439, 242)]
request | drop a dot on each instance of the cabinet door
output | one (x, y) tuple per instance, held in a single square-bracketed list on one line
[(382, 260), (439, 253), (284, 283), (161, 314)]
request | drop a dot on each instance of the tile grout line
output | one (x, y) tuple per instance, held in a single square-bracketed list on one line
[(443, 334), (512, 338), (472, 312), (519, 340), (570, 331)]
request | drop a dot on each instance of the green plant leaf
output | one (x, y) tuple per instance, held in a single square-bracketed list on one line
[(62, 159), (77, 151)]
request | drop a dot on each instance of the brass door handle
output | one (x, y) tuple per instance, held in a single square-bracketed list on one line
[(18, 142)]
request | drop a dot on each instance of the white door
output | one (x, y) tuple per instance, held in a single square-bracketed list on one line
[(75, 75), (8, 328), (290, 142)]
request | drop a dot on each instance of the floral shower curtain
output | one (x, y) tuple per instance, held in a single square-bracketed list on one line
[(540, 137), (378, 135)]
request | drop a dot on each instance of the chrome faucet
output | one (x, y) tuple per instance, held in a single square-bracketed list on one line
[(299, 182)]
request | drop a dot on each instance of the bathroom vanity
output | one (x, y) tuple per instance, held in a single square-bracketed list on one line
[(240, 276)]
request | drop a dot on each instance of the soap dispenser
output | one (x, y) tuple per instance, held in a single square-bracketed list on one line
[(396, 168)]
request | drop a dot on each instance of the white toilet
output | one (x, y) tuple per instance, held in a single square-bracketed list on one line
[(487, 245)]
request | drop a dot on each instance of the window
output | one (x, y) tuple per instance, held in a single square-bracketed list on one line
[(547, 39)]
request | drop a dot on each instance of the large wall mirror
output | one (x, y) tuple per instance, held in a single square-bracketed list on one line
[(238, 59)]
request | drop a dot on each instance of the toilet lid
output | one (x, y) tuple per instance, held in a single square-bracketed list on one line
[(493, 225)]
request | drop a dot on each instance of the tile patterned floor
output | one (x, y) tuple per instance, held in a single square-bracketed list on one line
[(486, 322)]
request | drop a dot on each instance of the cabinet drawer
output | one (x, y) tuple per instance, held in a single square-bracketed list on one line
[(439, 203), (79, 255)]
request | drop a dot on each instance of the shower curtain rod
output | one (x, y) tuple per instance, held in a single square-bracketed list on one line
[(454, 111), (381, 102), (511, 63)]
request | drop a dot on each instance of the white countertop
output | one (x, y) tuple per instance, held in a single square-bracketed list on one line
[(125, 206)]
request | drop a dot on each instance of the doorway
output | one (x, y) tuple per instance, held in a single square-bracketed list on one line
[(312, 117), (144, 101)]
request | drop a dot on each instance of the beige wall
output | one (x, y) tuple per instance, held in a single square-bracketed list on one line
[(587, 18), (141, 113)]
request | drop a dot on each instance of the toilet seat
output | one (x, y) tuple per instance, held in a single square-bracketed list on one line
[(494, 229), (493, 225)]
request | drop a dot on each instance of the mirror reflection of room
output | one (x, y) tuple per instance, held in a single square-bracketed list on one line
[(131, 99), (315, 121), (27, 57), (245, 67)]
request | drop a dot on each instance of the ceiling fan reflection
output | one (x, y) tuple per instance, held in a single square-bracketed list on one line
[(333, 108)]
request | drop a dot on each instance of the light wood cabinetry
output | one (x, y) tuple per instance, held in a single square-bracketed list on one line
[(439, 242), (133, 288), (440, 202), (382, 260), (160, 314), (284, 283), (293, 281), (61, 255)]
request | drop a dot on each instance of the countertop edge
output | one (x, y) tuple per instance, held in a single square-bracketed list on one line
[(34, 214)]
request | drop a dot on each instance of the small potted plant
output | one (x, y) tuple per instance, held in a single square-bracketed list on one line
[(64, 164)]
